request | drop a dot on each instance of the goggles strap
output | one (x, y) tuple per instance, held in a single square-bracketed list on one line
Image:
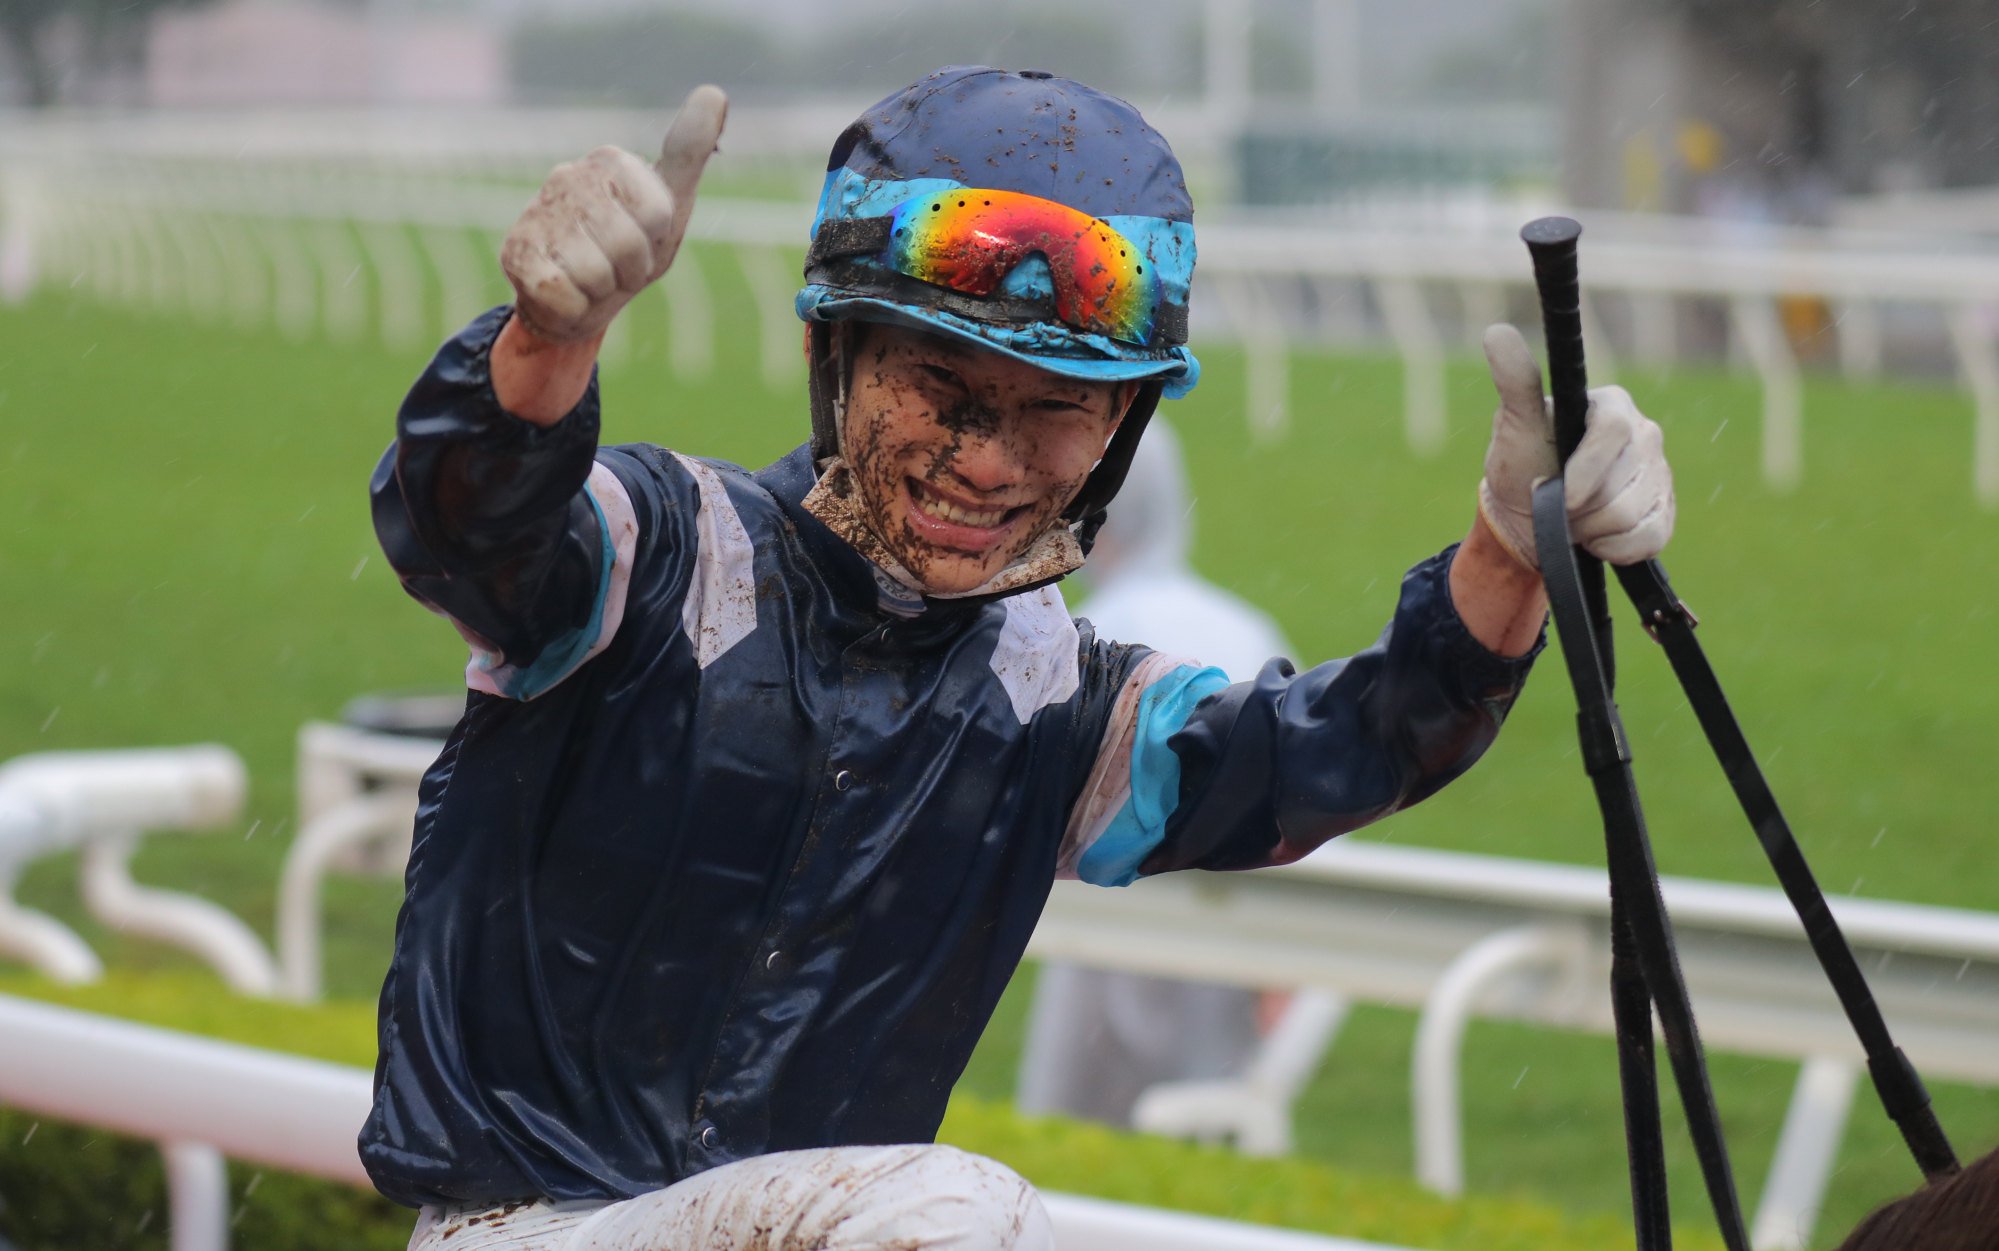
[(851, 236)]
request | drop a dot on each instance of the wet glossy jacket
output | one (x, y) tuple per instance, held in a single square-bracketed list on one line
[(686, 905)]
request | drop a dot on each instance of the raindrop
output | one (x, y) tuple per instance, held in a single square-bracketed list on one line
[(1878, 837), (1521, 1078), (31, 1133), (1715, 494), (256, 1180), (308, 511), (145, 1219), (356, 575), (1718, 429), (246, 838), (1962, 969), (50, 719)]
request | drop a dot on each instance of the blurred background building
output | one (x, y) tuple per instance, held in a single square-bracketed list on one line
[(1688, 106)]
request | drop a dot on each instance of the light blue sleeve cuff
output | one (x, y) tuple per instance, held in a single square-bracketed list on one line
[(563, 653), (1140, 823)]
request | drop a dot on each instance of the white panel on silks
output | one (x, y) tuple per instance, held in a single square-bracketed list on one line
[(721, 605), (1036, 657)]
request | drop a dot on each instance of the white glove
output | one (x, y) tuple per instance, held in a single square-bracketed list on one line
[(605, 227), (1618, 485)]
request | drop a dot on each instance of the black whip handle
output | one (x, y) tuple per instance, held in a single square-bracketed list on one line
[(1552, 243)]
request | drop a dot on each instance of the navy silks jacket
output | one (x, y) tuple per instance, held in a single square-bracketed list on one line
[(725, 858)]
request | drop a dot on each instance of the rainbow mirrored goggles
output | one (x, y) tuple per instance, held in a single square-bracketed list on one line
[(968, 240)]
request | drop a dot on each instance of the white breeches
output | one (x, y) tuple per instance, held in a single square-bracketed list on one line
[(901, 1198)]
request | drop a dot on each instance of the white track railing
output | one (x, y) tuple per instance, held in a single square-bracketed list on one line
[(202, 1100), (1459, 936), (101, 802), (163, 215)]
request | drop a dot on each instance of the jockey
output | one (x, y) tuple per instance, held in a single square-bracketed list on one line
[(764, 775)]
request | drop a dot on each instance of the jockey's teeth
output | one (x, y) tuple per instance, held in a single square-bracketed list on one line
[(945, 510)]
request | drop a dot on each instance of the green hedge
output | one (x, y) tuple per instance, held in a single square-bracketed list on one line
[(71, 1188)]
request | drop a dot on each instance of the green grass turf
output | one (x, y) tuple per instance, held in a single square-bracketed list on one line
[(185, 556)]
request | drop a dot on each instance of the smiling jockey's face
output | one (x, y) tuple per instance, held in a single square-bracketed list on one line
[(965, 457)]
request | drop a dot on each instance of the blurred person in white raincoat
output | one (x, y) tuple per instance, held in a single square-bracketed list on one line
[(1097, 1039)]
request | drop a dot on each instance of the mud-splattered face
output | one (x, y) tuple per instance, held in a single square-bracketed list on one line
[(965, 457)]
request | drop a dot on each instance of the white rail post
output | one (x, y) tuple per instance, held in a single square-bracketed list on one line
[(104, 247), (1440, 1033), (1761, 333), (205, 294), (295, 299), (1858, 325), (1414, 330), (1972, 340), (22, 237), (399, 283), (1655, 338), (197, 1197), (1484, 303), (247, 275), (690, 318), (460, 278), (1602, 353), (338, 815), (166, 269), (1806, 1149), (343, 286), (100, 246), (781, 350), (616, 346), (129, 282), (1266, 355), (1255, 1108), (211, 932), (44, 943), (320, 841)]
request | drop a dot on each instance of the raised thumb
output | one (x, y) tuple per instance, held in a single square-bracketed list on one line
[(690, 141)]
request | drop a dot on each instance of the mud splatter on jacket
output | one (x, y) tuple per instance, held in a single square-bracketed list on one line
[(724, 859)]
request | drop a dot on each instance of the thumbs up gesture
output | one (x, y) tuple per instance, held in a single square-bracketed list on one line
[(605, 227)]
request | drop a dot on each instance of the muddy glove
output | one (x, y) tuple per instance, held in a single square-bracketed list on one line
[(1618, 485), (605, 227)]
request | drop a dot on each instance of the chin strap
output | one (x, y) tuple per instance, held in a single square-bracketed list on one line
[(1086, 512), (827, 366)]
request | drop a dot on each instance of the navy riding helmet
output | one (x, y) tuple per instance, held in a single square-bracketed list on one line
[(1031, 215)]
